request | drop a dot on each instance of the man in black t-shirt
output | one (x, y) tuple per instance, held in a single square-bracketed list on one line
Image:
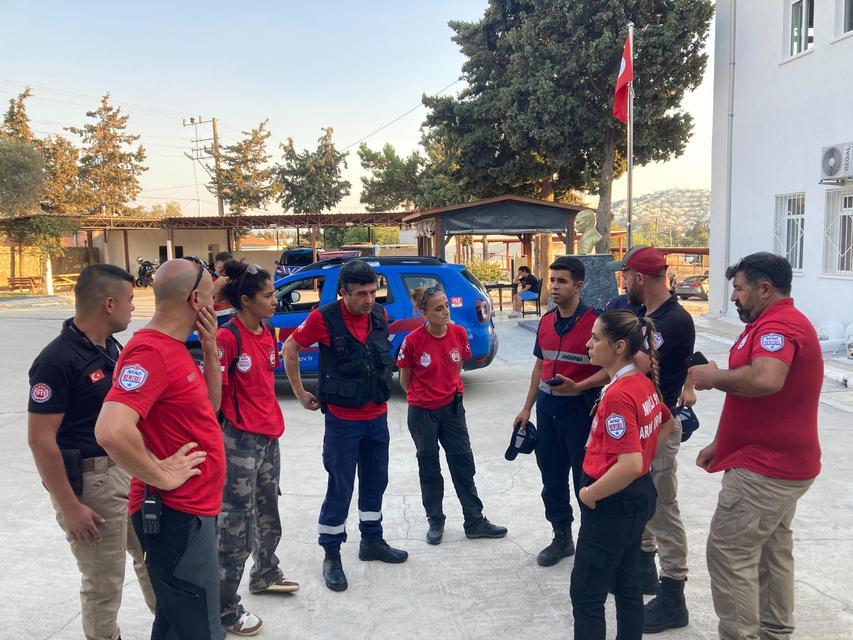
[(528, 289), (68, 382), (644, 277)]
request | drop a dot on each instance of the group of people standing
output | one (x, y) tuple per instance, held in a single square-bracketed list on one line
[(202, 449)]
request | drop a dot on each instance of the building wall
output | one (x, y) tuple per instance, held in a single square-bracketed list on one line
[(146, 243), (785, 110)]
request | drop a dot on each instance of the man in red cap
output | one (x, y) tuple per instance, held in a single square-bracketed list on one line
[(644, 278)]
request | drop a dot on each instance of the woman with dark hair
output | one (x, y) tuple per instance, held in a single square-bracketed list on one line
[(617, 495), (430, 360), (252, 424)]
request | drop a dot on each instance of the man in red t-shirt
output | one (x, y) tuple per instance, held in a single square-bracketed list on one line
[(355, 384), (159, 423), (767, 445)]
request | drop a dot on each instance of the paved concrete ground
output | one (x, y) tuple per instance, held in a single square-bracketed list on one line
[(461, 589)]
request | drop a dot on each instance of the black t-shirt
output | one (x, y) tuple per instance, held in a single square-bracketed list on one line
[(530, 280), (674, 339), (72, 376)]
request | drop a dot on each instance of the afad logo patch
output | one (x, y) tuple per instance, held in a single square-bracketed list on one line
[(244, 363), (220, 353), (615, 425), (657, 338), (132, 377), (772, 341), (454, 356), (426, 360), (40, 392), (742, 343)]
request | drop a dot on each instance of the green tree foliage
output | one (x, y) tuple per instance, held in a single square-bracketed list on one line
[(16, 122), (21, 177), (109, 171), (393, 182), (245, 179), (310, 181), (535, 118), (43, 232), (60, 193)]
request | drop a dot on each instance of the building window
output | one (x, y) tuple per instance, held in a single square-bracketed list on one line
[(838, 247), (802, 26), (790, 225)]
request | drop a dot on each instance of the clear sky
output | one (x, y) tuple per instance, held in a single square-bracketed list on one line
[(355, 66)]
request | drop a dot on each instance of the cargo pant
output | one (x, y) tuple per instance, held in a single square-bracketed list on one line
[(249, 521), (445, 425), (102, 564), (349, 445), (750, 556), (665, 531)]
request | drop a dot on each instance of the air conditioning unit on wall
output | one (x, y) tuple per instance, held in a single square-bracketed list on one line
[(836, 162)]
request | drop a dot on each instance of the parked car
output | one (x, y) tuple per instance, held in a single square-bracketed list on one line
[(292, 260), (692, 287), (316, 284)]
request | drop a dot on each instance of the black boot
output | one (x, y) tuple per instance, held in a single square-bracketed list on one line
[(436, 531), (333, 572), (561, 546), (668, 610), (648, 573), (382, 551), (485, 529)]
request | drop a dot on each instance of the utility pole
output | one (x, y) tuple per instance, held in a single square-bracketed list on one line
[(200, 153)]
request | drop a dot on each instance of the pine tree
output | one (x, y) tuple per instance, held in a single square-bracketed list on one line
[(108, 170), (535, 118), (310, 181), (245, 180), (16, 122), (60, 191)]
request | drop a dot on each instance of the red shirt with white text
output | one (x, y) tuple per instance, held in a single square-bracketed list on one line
[(435, 364), (627, 420), (156, 377), (253, 382)]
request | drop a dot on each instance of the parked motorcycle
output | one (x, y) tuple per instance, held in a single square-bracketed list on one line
[(145, 273)]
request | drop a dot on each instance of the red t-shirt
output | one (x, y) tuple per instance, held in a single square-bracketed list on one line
[(627, 421), (776, 435), (314, 330), (435, 364), (156, 377), (253, 381)]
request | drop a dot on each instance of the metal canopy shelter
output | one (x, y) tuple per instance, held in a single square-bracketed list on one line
[(504, 215)]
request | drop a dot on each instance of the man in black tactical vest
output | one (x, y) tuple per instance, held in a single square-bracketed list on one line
[(355, 383)]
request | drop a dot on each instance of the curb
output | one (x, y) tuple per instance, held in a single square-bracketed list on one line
[(32, 302)]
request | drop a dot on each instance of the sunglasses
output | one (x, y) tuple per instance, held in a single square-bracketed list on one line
[(251, 269), (197, 277)]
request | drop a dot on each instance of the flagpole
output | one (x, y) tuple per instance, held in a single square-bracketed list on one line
[(630, 136)]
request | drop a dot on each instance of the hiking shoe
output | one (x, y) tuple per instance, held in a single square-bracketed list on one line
[(668, 610), (248, 624), (282, 585), (485, 529), (435, 533), (333, 572), (382, 551), (562, 546)]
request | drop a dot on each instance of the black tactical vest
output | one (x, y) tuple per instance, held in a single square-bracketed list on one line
[(351, 373)]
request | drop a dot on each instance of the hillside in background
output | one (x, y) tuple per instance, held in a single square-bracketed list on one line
[(675, 217)]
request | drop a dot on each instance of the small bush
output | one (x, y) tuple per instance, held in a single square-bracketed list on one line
[(486, 271)]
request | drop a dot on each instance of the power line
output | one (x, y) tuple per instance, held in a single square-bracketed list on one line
[(400, 117)]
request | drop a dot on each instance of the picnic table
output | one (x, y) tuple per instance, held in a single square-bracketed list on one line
[(500, 286), (65, 280)]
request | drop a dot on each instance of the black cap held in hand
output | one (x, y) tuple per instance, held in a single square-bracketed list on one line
[(523, 440)]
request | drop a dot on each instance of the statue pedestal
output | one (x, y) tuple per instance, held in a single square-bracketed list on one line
[(600, 283)]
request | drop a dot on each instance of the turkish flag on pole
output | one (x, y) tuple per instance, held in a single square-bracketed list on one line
[(626, 75)]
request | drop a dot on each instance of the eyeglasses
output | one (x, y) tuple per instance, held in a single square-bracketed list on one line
[(200, 273)]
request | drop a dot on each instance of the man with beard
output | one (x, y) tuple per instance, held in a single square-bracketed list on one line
[(564, 386), (644, 278), (767, 445)]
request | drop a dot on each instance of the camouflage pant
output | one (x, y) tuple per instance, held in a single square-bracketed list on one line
[(249, 521)]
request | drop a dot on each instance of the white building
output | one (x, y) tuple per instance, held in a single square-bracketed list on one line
[(782, 93)]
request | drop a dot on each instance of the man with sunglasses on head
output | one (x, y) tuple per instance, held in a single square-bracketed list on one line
[(68, 382), (355, 383), (159, 423)]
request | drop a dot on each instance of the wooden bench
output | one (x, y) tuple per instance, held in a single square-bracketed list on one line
[(65, 280), (25, 283)]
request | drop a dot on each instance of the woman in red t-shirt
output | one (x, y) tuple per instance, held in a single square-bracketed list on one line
[(430, 360), (617, 495), (252, 424)]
